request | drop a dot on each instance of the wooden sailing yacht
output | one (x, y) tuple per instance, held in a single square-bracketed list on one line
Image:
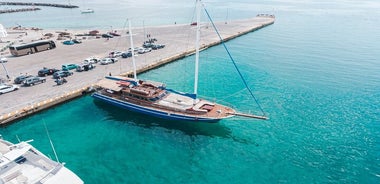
[(153, 98)]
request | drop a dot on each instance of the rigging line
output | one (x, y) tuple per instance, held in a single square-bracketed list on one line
[(233, 94), (233, 61), (51, 142)]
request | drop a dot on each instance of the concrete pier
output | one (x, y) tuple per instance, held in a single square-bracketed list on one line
[(19, 10), (33, 8), (179, 41), (39, 4)]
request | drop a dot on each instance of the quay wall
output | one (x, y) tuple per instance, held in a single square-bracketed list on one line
[(40, 106)]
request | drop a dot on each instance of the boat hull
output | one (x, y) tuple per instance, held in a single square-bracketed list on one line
[(153, 112)]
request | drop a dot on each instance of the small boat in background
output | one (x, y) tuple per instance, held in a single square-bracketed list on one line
[(88, 10)]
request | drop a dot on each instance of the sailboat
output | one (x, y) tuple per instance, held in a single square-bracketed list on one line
[(88, 10), (154, 99)]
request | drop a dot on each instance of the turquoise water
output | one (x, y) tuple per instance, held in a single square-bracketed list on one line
[(315, 72)]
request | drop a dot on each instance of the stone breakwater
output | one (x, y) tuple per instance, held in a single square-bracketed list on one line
[(19, 10), (38, 4)]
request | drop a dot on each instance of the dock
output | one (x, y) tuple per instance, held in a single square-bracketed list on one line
[(19, 10), (33, 6), (39, 4), (178, 38)]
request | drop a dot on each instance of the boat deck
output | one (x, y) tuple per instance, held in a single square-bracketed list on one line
[(22, 163), (176, 101), (171, 103)]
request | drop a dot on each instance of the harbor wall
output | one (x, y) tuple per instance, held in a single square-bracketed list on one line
[(32, 6), (40, 106), (19, 10)]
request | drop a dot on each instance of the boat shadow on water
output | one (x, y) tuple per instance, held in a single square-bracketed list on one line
[(187, 127)]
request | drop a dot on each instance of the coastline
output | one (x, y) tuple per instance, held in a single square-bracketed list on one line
[(29, 100)]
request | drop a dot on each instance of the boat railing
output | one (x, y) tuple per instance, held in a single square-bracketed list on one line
[(52, 171), (244, 113)]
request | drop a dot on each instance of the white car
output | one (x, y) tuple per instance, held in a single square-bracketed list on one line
[(147, 50), (91, 60), (135, 49), (115, 54), (141, 50), (3, 60), (106, 61), (5, 88)]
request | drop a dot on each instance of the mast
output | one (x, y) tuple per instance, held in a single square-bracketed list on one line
[(198, 11), (132, 51), (144, 31)]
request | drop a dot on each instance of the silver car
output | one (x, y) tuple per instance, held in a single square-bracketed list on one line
[(5, 88), (106, 61), (33, 80)]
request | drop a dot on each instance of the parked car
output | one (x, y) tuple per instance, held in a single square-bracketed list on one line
[(91, 60), (134, 50), (158, 46), (126, 55), (62, 73), (69, 66), (21, 78), (5, 88), (46, 71), (33, 80), (147, 50), (68, 42), (142, 50), (77, 41), (3, 60), (107, 36), (113, 34), (115, 54), (148, 45), (85, 67), (106, 61)]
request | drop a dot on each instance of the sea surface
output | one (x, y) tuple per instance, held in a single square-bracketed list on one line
[(315, 72)]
